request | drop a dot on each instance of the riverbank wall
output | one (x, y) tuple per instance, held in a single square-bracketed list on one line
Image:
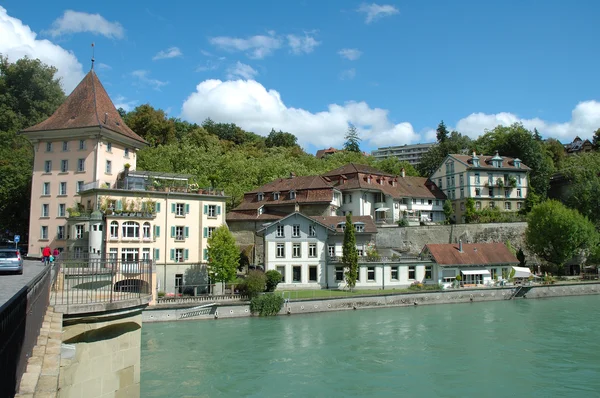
[(454, 296)]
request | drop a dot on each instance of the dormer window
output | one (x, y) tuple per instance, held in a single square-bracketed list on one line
[(260, 210), (260, 196), (368, 179), (342, 226), (359, 227), (275, 195), (292, 194), (517, 163)]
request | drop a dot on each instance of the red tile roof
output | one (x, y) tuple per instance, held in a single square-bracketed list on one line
[(333, 221), (252, 216), (353, 168), (87, 106), (485, 162), (472, 254), (294, 183), (323, 152)]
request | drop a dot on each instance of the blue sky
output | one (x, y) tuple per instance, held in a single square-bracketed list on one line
[(393, 68)]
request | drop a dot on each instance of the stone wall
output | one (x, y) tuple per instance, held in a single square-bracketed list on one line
[(412, 239)]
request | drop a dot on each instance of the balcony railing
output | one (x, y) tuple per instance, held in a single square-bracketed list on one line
[(380, 259), (148, 186)]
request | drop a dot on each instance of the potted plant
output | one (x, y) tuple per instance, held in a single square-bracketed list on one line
[(512, 181), (458, 279)]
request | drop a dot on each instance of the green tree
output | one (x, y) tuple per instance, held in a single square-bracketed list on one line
[(556, 234), (223, 255), (151, 124), (29, 93), (583, 193), (469, 210), (352, 138), (596, 139), (442, 133), (394, 166), (194, 277), (254, 283), (556, 151), (456, 143), (448, 211), (350, 254), (273, 279), (521, 258), (280, 139), (536, 134)]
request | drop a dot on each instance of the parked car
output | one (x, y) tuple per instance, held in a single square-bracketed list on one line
[(11, 261)]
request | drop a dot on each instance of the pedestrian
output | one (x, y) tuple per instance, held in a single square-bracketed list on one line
[(46, 253), (55, 253)]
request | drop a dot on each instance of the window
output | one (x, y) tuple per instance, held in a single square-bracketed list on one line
[(359, 227), (506, 193), (64, 166), (131, 229), (48, 147), (179, 233), (44, 232), (461, 180), (312, 273), (295, 231), (213, 210), (462, 193), (280, 231), (518, 180), (146, 254), (371, 274), (296, 252), (312, 250), (440, 183), (79, 186), (114, 230), (491, 192), (297, 274), (65, 146), (349, 198), (79, 231), (478, 205), (292, 194), (519, 205), (437, 202), (109, 147), (506, 205), (448, 275), (275, 195), (422, 201), (146, 230), (411, 272), (81, 145), (129, 254), (46, 189), (331, 250), (62, 188), (80, 165), (108, 167), (209, 231), (60, 232), (493, 273), (45, 210), (394, 273), (360, 251), (126, 152), (281, 270), (178, 256), (280, 250), (260, 197), (339, 274), (462, 206), (430, 202), (312, 230), (476, 178), (414, 201), (48, 166), (180, 209), (519, 193), (428, 272), (492, 205), (477, 191)]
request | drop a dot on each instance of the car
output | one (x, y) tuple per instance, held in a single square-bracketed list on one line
[(11, 261)]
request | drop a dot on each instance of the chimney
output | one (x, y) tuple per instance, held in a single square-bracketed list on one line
[(292, 174), (403, 172), (460, 249)]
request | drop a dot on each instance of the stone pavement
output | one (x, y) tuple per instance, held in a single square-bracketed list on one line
[(10, 284)]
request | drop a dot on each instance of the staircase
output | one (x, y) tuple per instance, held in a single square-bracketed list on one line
[(520, 292)]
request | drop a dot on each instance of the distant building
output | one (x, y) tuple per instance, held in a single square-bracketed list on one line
[(579, 146), (407, 153), (321, 153)]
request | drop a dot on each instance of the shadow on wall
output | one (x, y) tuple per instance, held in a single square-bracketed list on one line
[(104, 333), (13, 319)]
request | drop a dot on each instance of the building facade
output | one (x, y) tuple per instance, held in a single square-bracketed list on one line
[(579, 146), (492, 181), (406, 153)]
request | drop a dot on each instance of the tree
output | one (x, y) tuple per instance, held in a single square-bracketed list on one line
[(469, 210), (583, 193), (521, 258), (254, 283), (556, 233), (273, 279), (456, 143), (350, 254), (223, 255), (195, 276), (448, 211), (394, 166), (352, 138), (596, 139), (151, 124), (536, 134), (280, 139), (556, 151), (442, 133)]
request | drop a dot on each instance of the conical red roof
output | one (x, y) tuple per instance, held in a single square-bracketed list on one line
[(87, 106)]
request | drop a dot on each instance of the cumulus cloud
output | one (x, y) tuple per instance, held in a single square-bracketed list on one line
[(351, 54), (240, 70), (123, 102), (256, 47), (171, 52), (348, 74), (256, 108), (374, 11), (302, 44), (143, 79), (18, 40), (78, 22)]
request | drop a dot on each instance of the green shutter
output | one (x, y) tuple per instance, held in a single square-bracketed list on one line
[(218, 210), (119, 205), (206, 254), (157, 207), (205, 209), (186, 254), (172, 207), (157, 234), (156, 254), (187, 232), (172, 232), (205, 232), (187, 209), (172, 254)]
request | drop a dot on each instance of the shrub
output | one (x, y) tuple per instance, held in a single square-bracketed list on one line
[(273, 279), (458, 278), (160, 294), (403, 222), (266, 304), (254, 283)]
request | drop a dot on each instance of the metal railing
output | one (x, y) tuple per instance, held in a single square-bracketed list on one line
[(21, 318), (91, 281)]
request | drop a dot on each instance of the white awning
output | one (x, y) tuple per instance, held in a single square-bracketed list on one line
[(382, 209), (522, 272), (475, 272)]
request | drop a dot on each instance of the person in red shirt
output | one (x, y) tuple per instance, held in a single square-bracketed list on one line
[(46, 253)]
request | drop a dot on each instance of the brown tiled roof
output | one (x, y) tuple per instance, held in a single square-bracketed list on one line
[(353, 168), (323, 152), (472, 254), (486, 162), (333, 221), (412, 187), (294, 183), (87, 106), (252, 216)]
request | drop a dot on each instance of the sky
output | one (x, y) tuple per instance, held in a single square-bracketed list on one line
[(393, 69)]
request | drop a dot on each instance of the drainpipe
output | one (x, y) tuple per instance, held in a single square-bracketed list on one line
[(166, 234)]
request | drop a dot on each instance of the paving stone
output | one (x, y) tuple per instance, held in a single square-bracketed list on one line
[(47, 384), (28, 383)]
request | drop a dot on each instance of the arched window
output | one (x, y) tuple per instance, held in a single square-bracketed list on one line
[(114, 229), (146, 230), (131, 229)]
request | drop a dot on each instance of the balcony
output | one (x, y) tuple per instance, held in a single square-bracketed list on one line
[(381, 259)]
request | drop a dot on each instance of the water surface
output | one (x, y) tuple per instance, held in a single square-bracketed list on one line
[(529, 348)]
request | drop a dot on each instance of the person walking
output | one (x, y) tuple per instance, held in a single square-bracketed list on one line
[(55, 253), (46, 253)]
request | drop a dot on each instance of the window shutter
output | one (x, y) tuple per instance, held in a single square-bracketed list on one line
[(156, 254), (187, 232), (187, 209), (119, 205), (218, 210), (186, 254), (172, 232), (172, 207), (157, 234), (205, 209), (205, 232), (206, 254), (157, 207), (172, 254)]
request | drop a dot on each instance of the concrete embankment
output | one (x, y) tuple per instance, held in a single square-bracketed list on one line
[(379, 301)]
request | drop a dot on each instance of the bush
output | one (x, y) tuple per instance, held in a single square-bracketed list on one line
[(403, 222), (266, 304), (253, 284), (273, 279), (160, 294)]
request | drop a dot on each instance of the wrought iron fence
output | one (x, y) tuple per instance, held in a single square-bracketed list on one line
[(90, 281)]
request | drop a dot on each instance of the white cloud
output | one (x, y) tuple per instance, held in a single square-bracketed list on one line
[(171, 52), (256, 47), (144, 80), (250, 105), (240, 70), (18, 40), (302, 44), (78, 22), (348, 74), (585, 119), (350, 53), (122, 102), (375, 11), (104, 66)]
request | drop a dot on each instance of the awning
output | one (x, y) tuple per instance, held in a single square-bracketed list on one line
[(382, 209), (475, 272), (522, 272)]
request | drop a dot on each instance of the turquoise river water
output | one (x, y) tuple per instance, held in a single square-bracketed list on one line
[(519, 348)]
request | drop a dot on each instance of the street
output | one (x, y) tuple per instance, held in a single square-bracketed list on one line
[(11, 284)]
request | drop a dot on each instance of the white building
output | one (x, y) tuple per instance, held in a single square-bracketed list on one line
[(407, 153)]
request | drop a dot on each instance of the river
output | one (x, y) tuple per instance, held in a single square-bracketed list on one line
[(524, 348)]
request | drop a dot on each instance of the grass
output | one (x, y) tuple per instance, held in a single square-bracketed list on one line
[(326, 293)]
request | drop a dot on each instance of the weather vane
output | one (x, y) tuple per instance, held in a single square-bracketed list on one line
[(93, 56)]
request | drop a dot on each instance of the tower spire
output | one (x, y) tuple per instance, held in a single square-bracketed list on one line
[(93, 56)]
